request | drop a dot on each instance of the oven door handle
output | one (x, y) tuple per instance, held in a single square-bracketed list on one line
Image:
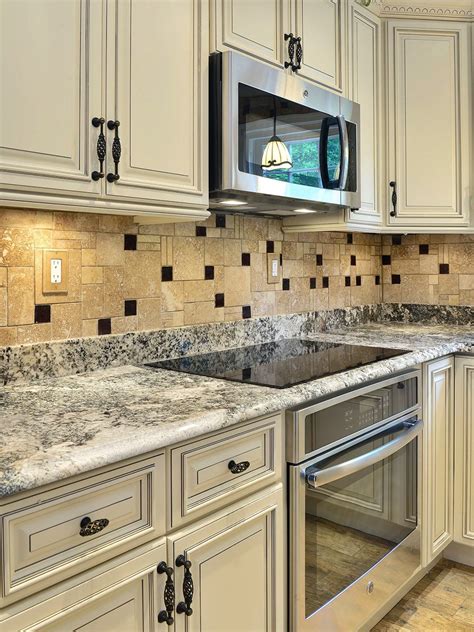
[(318, 478)]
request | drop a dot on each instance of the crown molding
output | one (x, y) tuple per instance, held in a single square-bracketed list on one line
[(461, 10)]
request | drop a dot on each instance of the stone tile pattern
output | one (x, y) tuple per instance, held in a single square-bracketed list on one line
[(112, 260)]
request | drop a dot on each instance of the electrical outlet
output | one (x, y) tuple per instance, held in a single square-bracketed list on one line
[(273, 268), (55, 271)]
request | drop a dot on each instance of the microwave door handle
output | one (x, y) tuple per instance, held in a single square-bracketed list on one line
[(318, 478), (323, 153), (344, 139)]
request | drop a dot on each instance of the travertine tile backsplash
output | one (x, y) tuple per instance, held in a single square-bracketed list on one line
[(127, 278)]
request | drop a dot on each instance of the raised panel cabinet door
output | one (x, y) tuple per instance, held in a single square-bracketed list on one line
[(365, 88), (320, 24), (464, 452), (157, 73), (255, 27), (236, 565), (438, 451), (50, 89), (429, 123)]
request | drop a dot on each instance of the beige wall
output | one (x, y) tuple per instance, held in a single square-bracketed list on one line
[(103, 274)]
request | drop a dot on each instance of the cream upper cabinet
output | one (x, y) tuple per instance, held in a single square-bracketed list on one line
[(49, 91), (321, 26), (255, 27), (430, 131), (464, 452), (365, 88), (438, 448)]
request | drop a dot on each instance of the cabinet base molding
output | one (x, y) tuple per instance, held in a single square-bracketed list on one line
[(461, 553)]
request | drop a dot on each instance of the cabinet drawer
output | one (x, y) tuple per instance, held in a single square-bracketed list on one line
[(49, 537), (202, 479)]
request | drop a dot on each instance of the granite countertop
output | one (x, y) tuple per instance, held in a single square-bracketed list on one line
[(64, 426)]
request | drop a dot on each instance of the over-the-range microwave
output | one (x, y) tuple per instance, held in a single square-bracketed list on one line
[(314, 159)]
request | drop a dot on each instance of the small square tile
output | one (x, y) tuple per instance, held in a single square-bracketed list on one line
[(270, 246), (424, 249), (281, 259), (246, 258), (347, 281), (285, 284), (358, 280), (208, 273), (395, 279), (42, 313), (219, 300), (129, 242), (104, 326), (246, 373), (444, 268), (130, 308), (350, 238), (319, 260), (325, 282), (167, 273), (246, 311), (201, 231), (220, 221), (377, 279), (396, 240), (312, 283), (353, 260), (386, 260)]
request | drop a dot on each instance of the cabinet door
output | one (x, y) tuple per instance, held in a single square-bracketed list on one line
[(321, 26), (429, 126), (157, 64), (50, 89), (365, 88), (255, 27), (438, 493), (237, 570), (464, 452)]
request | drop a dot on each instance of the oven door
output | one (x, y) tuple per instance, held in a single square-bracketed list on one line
[(354, 529)]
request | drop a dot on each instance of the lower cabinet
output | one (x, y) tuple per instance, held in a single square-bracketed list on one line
[(438, 445)]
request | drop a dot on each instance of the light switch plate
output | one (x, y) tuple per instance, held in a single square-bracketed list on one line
[(55, 271), (273, 268)]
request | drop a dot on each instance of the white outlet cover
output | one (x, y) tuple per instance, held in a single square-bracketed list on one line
[(275, 267), (56, 270)]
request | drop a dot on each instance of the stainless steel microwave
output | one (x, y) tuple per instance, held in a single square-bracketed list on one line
[(279, 145)]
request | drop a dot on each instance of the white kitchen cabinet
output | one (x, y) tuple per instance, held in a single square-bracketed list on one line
[(429, 124), (141, 63), (438, 449), (255, 27), (237, 568)]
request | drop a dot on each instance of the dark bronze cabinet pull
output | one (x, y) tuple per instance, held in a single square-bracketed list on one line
[(290, 38), (91, 527), (101, 148), (393, 184), (299, 55), (116, 151), (238, 468), (166, 616), (184, 607)]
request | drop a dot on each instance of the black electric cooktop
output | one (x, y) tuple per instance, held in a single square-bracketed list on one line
[(279, 364)]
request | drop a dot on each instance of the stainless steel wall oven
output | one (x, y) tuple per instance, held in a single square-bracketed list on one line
[(354, 480)]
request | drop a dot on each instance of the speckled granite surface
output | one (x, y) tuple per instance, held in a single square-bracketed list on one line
[(60, 427)]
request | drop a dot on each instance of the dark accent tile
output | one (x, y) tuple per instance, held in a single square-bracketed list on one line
[(325, 281), (377, 279), (208, 273), (386, 260), (424, 249), (129, 242), (270, 246), (312, 283), (130, 308), (281, 259), (42, 313), (444, 268), (218, 300), (246, 373), (246, 311), (167, 273), (396, 240), (395, 279), (285, 284), (220, 221), (353, 260), (104, 326), (319, 260), (246, 258), (358, 280), (201, 231), (350, 238), (347, 281)]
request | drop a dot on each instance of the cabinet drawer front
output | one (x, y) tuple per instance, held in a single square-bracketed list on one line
[(41, 539), (202, 478)]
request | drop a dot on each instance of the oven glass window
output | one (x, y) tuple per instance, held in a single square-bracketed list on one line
[(355, 521), (310, 149)]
